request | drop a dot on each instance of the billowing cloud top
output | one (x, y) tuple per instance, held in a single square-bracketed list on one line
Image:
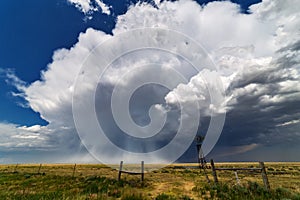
[(88, 6), (257, 57)]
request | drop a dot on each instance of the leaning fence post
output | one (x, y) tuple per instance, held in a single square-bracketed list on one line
[(264, 175), (237, 178), (120, 170), (214, 172)]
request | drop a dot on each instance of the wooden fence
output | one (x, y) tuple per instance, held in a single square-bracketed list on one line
[(131, 172), (261, 169)]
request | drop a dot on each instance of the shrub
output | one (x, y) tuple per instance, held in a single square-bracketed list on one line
[(250, 191), (164, 196), (185, 197), (133, 196)]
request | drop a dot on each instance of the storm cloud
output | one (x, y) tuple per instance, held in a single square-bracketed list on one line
[(257, 59)]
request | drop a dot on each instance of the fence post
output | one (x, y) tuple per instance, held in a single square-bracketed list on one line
[(39, 168), (264, 175), (120, 170), (15, 170), (214, 172), (74, 170), (142, 171), (237, 178)]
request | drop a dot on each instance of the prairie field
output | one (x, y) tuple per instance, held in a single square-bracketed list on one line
[(177, 181)]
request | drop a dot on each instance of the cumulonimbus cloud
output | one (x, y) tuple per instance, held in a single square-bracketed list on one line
[(257, 56)]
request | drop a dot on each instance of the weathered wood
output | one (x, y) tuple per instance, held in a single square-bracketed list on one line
[(39, 170), (130, 172), (142, 171), (264, 175), (74, 168), (214, 172), (237, 178), (202, 162), (262, 169), (206, 176), (120, 170)]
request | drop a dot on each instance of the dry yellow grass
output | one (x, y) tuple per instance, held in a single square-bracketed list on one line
[(176, 179)]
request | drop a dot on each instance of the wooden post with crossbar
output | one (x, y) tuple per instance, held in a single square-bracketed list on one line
[(120, 170), (142, 172), (260, 169)]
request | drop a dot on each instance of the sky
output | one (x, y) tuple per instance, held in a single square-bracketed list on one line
[(253, 83)]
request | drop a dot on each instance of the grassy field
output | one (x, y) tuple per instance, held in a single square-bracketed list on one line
[(178, 181)]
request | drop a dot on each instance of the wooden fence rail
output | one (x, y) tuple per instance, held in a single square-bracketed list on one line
[(261, 170), (131, 172)]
